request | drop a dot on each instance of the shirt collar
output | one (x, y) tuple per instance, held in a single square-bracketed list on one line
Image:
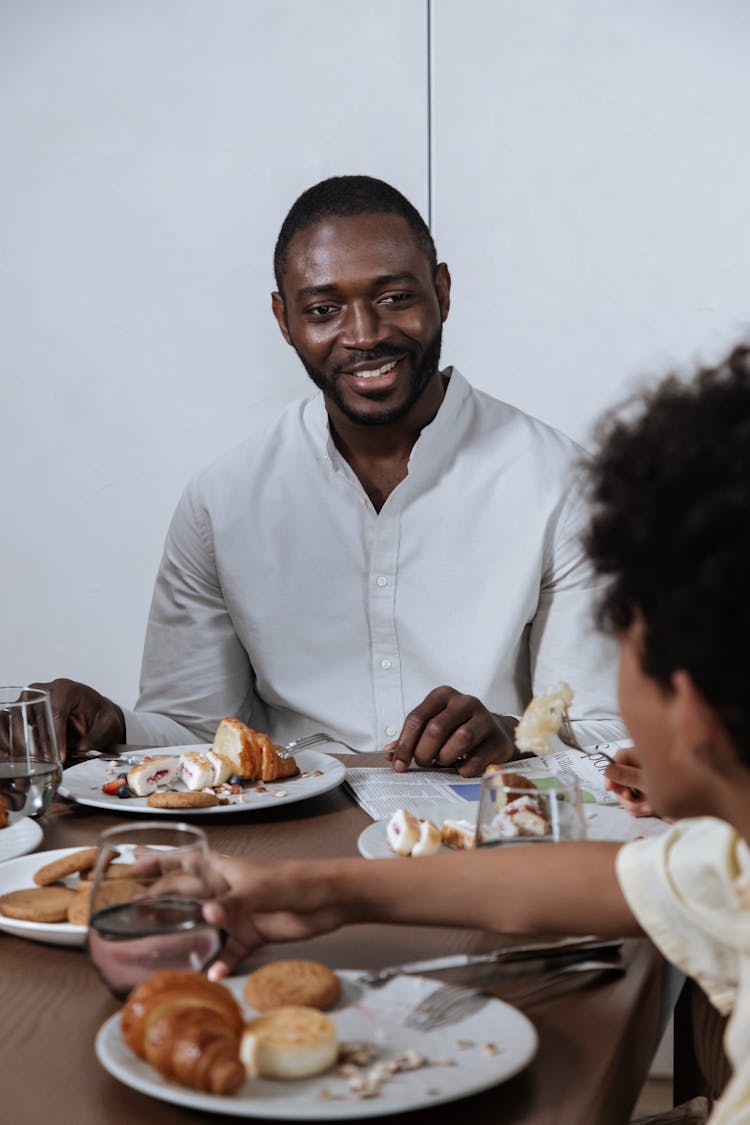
[(437, 440)]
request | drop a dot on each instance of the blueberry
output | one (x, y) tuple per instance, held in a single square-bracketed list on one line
[(122, 775), (235, 779), (124, 791)]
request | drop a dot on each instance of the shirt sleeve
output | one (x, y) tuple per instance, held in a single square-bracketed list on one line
[(195, 670), (688, 889), (564, 642)]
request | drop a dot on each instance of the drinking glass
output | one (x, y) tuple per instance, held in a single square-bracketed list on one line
[(150, 917), (30, 769), (515, 810)]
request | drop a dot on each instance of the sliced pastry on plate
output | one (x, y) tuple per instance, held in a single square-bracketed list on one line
[(252, 755)]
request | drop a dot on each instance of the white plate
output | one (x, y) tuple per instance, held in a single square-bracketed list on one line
[(21, 836), (373, 841), (83, 784), (374, 1016), (602, 823), (17, 875)]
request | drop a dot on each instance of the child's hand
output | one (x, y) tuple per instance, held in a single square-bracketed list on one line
[(625, 780)]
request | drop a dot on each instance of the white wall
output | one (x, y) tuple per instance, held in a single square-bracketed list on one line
[(589, 169), (148, 153)]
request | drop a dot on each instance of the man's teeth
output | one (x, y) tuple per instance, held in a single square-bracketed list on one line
[(378, 371)]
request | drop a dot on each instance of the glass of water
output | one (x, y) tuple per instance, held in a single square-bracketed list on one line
[(518, 810), (30, 768), (149, 884)]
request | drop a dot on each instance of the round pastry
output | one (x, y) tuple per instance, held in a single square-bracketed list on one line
[(177, 799), (291, 1042), (114, 871), (308, 984), (82, 860), (39, 904), (402, 832), (112, 892)]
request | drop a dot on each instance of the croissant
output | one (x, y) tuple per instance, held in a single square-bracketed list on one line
[(251, 753), (188, 1028), (274, 767)]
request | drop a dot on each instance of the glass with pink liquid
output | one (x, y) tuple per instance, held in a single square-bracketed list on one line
[(149, 885)]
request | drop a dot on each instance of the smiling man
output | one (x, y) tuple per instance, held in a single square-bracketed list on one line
[(397, 560)]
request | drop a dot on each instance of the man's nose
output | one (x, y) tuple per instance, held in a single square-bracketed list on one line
[(362, 327)]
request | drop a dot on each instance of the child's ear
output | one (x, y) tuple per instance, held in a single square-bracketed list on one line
[(700, 737)]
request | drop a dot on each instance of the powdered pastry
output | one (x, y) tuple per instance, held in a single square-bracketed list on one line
[(402, 832), (429, 841), (150, 773), (460, 834), (195, 770)]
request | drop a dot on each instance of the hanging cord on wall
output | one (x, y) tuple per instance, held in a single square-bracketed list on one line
[(430, 176)]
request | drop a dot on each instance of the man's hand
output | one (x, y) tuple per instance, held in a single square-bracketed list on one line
[(84, 719), (625, 780), (266, 902), (452, 729)]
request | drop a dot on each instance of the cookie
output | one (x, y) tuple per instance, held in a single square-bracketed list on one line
[(114, 871), (39, 904), (59, 869), (175, 799), (112, 892), (307, 984)]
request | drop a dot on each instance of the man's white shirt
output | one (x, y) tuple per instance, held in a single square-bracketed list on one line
[(285, 599)]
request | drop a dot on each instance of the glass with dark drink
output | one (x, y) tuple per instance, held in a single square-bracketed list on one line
[(149, 885)]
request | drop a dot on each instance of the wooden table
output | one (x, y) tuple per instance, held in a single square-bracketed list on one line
[(596, 1042)]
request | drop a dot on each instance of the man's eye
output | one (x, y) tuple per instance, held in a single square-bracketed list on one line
[(322, 310), (395, 298)]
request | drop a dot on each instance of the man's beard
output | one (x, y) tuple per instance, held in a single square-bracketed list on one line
[(418, 381)]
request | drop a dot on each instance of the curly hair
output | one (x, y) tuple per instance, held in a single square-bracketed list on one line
[(343, 197), (670, 531)]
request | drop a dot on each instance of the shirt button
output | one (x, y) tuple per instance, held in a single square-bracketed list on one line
[(381, 581), (385, 664), (391, 732)]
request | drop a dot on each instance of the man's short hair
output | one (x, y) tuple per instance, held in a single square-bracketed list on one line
[(342, 197), (670, 530)]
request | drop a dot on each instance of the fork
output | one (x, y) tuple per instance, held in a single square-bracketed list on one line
[(445, 1005), (286, 751), (312, 740), (568, 736), (451, 1003)]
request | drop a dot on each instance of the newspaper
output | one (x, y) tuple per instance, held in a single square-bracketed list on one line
[(441, 793)]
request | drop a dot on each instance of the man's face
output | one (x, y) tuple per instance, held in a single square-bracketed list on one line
[(364, 313)]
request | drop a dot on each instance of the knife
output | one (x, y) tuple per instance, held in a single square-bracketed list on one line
[(563, 947)]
